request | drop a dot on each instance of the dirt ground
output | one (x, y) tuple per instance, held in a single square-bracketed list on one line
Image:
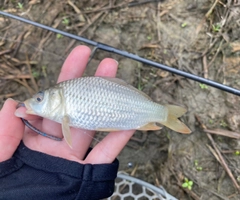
[(197, 36)]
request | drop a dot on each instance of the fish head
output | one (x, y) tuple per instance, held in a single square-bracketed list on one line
[(45, 103)]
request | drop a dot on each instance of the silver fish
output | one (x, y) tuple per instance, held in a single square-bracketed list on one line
[(103, 104)]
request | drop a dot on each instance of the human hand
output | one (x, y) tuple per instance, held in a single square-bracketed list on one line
[(12, 130)]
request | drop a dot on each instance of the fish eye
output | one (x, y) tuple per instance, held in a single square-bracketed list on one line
[(39, 96), (39, 99)]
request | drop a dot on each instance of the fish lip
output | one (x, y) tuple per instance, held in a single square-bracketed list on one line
[(29, 109), (25, 105)]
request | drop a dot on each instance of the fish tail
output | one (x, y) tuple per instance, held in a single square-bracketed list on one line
[(174, 112)]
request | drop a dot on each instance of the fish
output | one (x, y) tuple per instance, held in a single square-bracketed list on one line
[(103, 104)]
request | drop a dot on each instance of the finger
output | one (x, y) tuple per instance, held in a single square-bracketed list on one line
[(107, 67), (11, 130), (108, 149), (75, 63)]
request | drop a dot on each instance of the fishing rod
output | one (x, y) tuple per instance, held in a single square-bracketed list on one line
[(111, 49)]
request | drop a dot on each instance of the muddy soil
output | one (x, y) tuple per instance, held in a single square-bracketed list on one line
[(199, 37)]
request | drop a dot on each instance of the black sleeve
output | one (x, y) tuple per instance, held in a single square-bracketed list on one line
[(34, 175)]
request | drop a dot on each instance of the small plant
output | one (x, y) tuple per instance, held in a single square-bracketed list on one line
[(187, 184), (199, 168), (149, 37), (184, 24), (237, 153), (196, 165), (44, 70), (203, 86), (140, 86), (35, 74), (65, 21), (223, 123), (216, 27), (238, 178), (20, 5), (210, 121), (59, 36)]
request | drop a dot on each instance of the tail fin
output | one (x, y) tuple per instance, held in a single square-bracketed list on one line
[(172, 122)]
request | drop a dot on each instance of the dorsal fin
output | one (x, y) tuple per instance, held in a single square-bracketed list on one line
[(123, 83)]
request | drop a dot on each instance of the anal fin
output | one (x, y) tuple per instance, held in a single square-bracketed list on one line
[(150, 127)]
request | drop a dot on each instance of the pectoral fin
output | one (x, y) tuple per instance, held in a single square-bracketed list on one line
[(66, 131), (150, 127)]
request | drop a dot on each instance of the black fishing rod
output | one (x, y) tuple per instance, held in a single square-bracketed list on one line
[(108, 48)]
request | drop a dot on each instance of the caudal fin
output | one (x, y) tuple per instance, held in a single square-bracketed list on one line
[(174, 112)]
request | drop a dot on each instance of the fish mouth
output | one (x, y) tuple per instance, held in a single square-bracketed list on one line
[(20, 104), (25, 105), (28, 107)]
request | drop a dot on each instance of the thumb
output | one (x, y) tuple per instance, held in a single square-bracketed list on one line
[(11, 130)]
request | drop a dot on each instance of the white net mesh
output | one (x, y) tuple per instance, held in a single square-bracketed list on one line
[(130, 188)]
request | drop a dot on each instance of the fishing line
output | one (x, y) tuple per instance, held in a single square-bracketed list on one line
[(30, 126), (111, 49)]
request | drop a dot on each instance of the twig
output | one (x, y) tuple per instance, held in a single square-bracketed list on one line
[(24, 83), (218, 131), (77, 10), (40, 46), (232, 195), (218, 154), (215, 55), (205, 67), (214, 153), (106, 8), (223, 163), (223, 133), (121, 5), (208, 48), (211, 9), (19, 62), (31, 75), (229, 151), (20, 76), (158, 19), (9, 95), (95, 18), (18, 43), (5, 51)]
